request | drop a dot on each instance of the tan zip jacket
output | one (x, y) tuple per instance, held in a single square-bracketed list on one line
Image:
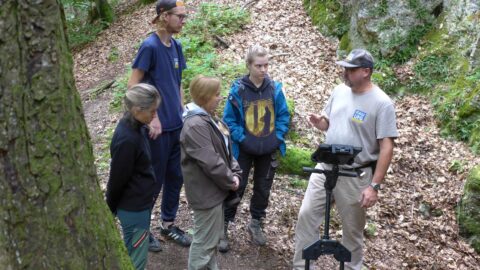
[(208, 167)]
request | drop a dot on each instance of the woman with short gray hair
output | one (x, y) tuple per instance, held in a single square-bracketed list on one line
[(132, 180)]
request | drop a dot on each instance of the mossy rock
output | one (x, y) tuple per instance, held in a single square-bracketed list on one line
[(329, 16), (443, 67), (344, 46), (294, 160), (472, 101), (475, 140), (468, 211)]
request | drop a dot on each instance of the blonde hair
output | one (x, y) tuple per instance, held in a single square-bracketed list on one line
[(255, 51), (203, 88), (141, 95)]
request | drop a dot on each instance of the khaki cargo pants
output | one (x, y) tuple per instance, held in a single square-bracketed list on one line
[(347, 195)]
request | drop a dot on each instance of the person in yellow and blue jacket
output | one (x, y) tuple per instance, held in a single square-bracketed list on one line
[(257, 114)]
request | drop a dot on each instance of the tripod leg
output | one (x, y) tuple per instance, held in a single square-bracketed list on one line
[(326, 234)]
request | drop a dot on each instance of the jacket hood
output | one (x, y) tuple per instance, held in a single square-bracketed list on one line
[(246, 81), (192, 109)]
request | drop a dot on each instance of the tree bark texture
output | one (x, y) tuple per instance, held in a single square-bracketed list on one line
[(52, 211)]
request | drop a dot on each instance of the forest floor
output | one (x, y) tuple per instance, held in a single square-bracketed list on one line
[(412, 227)]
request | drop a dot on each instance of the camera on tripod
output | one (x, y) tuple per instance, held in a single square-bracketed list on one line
[(334, 154)]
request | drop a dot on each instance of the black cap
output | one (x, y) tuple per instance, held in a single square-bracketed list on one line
[(357, 58), (166, 5)]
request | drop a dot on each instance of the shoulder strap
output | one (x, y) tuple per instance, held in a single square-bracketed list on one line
[(271, 87), (272, 84), (241, 89), (177, 45)]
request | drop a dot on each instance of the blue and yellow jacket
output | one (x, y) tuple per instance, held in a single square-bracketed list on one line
[(253, 133)]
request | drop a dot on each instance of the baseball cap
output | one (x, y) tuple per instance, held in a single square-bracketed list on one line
[(357, 58), (166, 5)]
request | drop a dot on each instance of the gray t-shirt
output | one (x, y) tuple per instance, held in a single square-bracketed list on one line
[(360, 120)]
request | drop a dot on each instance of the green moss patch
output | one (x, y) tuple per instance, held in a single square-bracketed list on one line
[(294, 160), (468, 212)]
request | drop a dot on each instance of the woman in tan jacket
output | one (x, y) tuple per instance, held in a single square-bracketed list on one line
[(209, 169)]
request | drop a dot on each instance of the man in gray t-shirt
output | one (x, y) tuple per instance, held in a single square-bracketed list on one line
[(358, 113)]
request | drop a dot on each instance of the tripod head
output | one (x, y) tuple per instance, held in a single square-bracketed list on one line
[(336, 154)]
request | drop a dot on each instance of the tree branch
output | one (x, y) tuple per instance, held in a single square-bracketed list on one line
[(222, 41), (249, 4), (99, 89)]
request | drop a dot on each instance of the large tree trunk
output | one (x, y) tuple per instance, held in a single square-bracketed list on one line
[(52, 213)]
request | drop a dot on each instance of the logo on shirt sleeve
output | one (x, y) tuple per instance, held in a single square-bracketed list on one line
[(359, 116)]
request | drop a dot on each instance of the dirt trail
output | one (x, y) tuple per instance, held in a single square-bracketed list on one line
[(405, 236)]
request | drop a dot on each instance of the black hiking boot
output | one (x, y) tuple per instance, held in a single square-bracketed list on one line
[(153, 244), (223, 243)]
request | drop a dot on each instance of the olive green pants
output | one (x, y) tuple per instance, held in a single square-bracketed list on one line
[(208, 228)]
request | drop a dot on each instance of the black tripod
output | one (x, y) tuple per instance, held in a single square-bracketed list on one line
[(327, 246)]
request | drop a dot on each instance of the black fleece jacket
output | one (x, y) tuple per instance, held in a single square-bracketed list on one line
[(131, 183)]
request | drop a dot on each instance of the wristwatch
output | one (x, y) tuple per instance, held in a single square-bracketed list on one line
[(375, 186)]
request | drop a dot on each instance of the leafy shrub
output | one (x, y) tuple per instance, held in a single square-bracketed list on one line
[(119, 91), (198, 44)]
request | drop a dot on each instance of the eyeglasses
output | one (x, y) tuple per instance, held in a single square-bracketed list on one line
[(181, 17)]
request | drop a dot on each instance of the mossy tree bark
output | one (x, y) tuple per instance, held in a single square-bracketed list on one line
[(102, 10), (52, 213)]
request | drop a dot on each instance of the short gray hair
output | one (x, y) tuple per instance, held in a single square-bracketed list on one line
[(255, 51), (141, 95)]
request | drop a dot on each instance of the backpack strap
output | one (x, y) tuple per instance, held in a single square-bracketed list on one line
[(241, 89), (271, 87)]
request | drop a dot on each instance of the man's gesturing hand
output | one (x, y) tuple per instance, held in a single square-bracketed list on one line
[(318, 121)]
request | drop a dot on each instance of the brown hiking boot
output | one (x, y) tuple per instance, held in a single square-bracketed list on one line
[(255, 229), (223, 243)]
